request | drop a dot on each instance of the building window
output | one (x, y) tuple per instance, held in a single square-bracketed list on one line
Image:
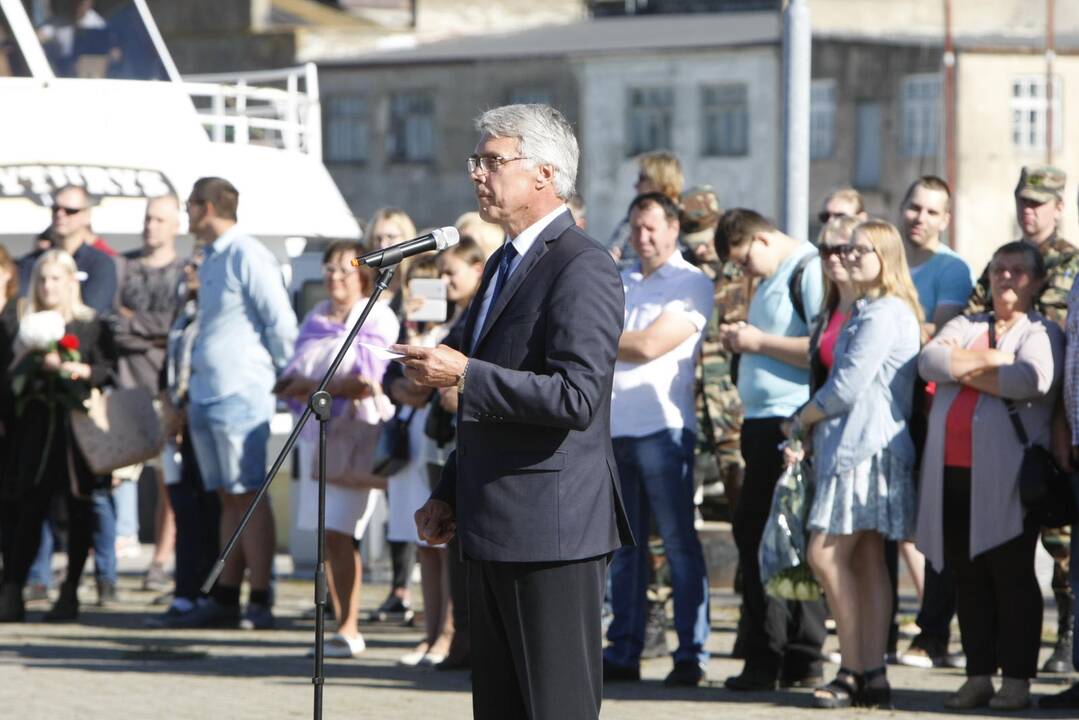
[(822, 119), (347, 126), (920, 103), (650, 118), (867, 146), (410, 136), (1029, 116), (532, 96), (726, 120)]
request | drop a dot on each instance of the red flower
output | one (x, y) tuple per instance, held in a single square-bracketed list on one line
[(69, 342)]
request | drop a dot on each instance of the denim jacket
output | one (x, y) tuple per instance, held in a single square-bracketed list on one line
[(867, 397)]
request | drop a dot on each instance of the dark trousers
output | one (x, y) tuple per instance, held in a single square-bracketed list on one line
[(938, 604), (536, 639), (458, 568), (403, 555), (999, 601), (197, 524), (780, 636), (25, 519)]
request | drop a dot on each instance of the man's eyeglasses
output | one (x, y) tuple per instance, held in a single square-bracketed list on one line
[(489, 163), (333, 270), (827, 251), (824, 216), (61, 210)]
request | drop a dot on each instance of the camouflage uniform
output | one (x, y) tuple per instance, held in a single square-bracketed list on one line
[(719, 409), (1062, 267)]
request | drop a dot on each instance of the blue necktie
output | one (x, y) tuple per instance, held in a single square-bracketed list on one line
[(509, 253)]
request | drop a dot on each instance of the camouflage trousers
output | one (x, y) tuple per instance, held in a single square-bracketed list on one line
[(1057, 542)]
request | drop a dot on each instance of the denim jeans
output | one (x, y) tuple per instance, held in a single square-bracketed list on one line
[(104, 536), (41, 570), (657, 481), (126, 499), (104, 542)]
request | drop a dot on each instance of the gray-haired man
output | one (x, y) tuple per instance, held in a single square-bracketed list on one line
[(531, 491)]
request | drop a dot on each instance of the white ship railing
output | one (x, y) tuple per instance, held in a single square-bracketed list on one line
[(275, 108)]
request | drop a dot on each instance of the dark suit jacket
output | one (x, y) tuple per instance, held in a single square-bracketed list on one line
[(533, 478)]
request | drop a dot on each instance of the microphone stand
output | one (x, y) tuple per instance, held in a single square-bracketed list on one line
[(320, 404)]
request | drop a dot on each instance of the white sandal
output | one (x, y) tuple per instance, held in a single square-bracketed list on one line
[(340, 646)]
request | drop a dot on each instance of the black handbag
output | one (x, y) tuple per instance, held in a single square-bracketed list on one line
[(393, 451), (1044, 489)]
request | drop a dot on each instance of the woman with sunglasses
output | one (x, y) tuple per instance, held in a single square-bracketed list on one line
[(863, 460), (839, 296)]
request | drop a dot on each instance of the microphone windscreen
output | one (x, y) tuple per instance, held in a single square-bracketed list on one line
[(446, 237)]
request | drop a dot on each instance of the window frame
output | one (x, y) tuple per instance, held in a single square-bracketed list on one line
[(822, 130), (361, 117), (716, 112), (1028, 114), (920, 126), (399, 156), (664, 112)]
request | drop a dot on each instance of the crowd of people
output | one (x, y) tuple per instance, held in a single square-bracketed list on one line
[(865, 356)]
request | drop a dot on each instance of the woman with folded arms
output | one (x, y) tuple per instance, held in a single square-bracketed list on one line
[(969, 516), (863, 460)]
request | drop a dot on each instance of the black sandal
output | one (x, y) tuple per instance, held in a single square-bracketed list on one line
[(873, 697), (841, 691)]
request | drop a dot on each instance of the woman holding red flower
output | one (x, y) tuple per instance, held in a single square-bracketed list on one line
[(62, 350)]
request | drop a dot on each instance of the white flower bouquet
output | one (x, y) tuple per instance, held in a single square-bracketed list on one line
[(40, 331)]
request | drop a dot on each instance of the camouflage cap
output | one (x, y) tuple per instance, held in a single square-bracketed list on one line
[(700, 215), (1041, 183)]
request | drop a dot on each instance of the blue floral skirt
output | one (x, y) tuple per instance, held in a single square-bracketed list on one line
[(877, 495)]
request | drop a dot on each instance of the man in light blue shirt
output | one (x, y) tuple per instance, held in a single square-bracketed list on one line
[(782, 640), (942, 278), (944, 283), (246, 335)]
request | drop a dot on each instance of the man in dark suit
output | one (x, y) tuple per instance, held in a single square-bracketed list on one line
[(532, 491)]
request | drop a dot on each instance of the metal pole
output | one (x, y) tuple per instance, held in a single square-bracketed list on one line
[(797, 59), (1050, 56), (950, 169)]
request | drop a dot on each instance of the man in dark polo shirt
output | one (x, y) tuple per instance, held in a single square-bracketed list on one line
[(71, 231)]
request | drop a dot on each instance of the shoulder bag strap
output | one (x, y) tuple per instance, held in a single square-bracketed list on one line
[(1013, 412)]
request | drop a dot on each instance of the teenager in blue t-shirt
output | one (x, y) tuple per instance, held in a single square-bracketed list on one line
[(773, 382)]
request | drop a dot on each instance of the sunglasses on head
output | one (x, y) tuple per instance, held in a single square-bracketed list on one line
[(824, 216), (66, 210)]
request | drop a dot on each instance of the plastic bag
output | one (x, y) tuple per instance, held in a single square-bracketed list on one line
[(782, 554)]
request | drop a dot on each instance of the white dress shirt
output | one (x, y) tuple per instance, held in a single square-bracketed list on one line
[(522, 243)]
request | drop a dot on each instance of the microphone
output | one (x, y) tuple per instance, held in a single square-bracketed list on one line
[(439, 239)]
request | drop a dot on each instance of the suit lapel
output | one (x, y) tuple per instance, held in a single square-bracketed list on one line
[(539, 248)]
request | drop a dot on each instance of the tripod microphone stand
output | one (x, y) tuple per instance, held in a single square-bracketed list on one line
[(320, 404)]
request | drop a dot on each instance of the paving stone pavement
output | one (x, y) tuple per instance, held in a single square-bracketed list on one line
[(110, 666)]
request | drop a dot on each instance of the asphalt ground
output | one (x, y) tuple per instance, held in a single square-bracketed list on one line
[(109, 665)]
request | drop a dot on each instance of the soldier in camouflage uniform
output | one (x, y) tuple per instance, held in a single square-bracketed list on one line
[(1039, 204), (719, 409)]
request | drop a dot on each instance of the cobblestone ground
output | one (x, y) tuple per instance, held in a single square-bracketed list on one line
[(110, 666)]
